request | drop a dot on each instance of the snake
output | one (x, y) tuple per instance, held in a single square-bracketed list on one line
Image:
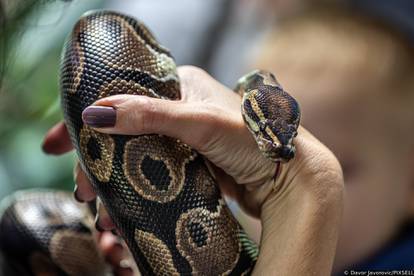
[(46, 232), (159, 191)]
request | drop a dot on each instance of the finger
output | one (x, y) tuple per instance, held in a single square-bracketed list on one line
[(123, 271), (227, 184), (107, 241), (236, 192), (112, 248), (57, 140), (135, 115), (103, 221), (83, 191), (115, 253)]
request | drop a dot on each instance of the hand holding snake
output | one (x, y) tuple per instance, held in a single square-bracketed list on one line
[(157, 189), (227, 143)]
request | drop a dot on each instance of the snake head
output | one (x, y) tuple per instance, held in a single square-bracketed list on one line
[(254, 79), (270, 113), (275, 140)]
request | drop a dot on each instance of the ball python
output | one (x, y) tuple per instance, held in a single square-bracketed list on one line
[(159, 191), (46, 232)]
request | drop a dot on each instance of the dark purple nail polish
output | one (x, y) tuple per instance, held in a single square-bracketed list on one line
[(124, 270), (99, 116), (45, 148)]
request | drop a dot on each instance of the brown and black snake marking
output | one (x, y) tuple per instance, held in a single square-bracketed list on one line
[(98, 161), (271, 114), (145, 153), (48, 233), (155, 250), (157, 190), (200, 234)]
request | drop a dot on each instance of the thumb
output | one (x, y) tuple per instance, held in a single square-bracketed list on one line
[(136, 115)]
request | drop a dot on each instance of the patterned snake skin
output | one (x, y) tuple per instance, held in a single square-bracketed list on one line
[(48, 233), (157, 190), (271, 114)]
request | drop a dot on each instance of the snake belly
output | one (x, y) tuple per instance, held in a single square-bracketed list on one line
[(45, 232), (157, 190)]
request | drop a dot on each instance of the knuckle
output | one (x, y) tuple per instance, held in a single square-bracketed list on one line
[(145, 112), (191, 72), (210, 128), (136, 115)]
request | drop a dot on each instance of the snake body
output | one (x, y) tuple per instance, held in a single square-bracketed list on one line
[(48, 233), (157, 190)]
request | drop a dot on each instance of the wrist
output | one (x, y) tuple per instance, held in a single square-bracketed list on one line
[(301, 215)]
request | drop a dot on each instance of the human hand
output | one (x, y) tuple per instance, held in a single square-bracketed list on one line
[(299, 208), (116, 254)]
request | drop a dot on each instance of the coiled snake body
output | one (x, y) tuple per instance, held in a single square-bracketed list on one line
[(45, 232), (158, 190)]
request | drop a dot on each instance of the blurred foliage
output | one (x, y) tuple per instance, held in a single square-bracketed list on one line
[(32, 33)]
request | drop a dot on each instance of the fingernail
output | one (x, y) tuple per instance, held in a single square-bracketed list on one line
[(125, 263), (76, 196), (45, 148), (99, 116), (124, 271), (119, 247), (49, 147)]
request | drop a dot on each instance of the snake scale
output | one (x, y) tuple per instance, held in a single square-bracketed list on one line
[(48, 233), (158, 191)]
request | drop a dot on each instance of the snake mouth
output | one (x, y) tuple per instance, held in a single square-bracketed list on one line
[(276, 152), (287, 152)]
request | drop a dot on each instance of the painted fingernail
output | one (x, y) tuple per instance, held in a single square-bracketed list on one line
[(76, 196), (45, 147), (119, 248), (125, 263), (99, 116), (124, 271)]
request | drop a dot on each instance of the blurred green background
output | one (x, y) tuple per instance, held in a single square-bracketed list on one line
[(32, 40)]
